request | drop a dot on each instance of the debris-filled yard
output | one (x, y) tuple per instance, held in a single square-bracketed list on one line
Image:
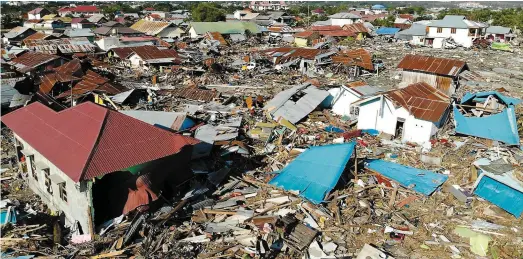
[(369, 149)]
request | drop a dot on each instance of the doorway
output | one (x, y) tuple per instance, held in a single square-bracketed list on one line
[(399, 128)]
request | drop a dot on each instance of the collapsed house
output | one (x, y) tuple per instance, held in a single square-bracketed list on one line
[(414, 113), (234, 30), (93, 164), (359, 59), (489, 115), (442, 73), (35, 62), (299, 58), (295, 103)]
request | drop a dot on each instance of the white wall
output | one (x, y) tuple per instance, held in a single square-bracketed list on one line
[(135, 61), (33, 16), (461, 36), (193, 33), (342, 22), (418, 40), (414, 130), (343, 100), (77, 205)]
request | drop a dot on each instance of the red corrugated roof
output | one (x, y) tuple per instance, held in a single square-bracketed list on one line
[(422, 101), (339, 33), (88, 140), (303, 34), (91, 82), (439, 66), (86, 9), (356, 28), (359, 57)]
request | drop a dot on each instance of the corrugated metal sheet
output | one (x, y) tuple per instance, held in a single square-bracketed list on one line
[(36, 36), (471, 76), (31, 60), (225, 27), (286, 54), (65, 46), (356, 28), (91, 82), (168, 120), (150, 27), (68, 138), (439, 66), (422, 101), (216, 36), (422, 181), (358, 57), (194, 94), (315, 172)]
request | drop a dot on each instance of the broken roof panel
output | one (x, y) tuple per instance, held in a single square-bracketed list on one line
[(216, 36), (31, 60), (13, 33), (150, 27), (355, 28), (505, 99), (282, 104), (439, 66), (89, 140), (194, 94), (65, 45), (315, 172), (91, 82), (358, 57), (422, 181), (422, 101)]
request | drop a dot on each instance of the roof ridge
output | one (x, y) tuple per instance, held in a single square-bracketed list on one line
[(95, 146)]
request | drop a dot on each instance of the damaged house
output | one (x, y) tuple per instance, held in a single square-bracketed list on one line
[(442, 73), (295, 103), (91, 164), (232, 30), (300, 58), (414, 113), (346, 95)]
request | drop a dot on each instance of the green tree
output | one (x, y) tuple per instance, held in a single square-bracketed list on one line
[(386, 22), (208, 12)]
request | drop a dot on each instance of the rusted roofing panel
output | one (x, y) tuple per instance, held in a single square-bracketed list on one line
[(76, 45), (91, 82), (439, 66), (195, 94), (286, 54), (356, 28), (216, 36), (304, 34), (36, 36), (422, 101), (359, 57), (30, 60), (146, 52), (326, 28), (338, 33)]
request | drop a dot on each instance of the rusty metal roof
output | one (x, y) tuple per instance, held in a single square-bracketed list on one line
[(91, 82), (146, 52), (216, 36), (196, 94), (65, 45), (422, 101), (356, 28), (89, 140), (358, 57), (31, 60), (36, 36), (62, 74), (439, 66), (286, 54), (338, 33), (304, 34), (326, 28)]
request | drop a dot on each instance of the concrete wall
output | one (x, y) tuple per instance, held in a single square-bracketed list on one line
[(461, 36), (135, 61), (78, 200), (342, 22), (193, 33), (418, 40), (414, 130), (343, 101)]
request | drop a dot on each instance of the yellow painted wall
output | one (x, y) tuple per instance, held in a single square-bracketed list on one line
[(300, 42)]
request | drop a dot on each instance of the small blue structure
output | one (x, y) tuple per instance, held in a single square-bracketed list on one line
[(378, 7), (315, 172), (503, 190), (387, 31), (8, 216), (502, 126), (422, 181)]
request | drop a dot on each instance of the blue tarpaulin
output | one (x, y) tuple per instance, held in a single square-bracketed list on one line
[(387, 31), (8, 216), (315, 172), (422, 181), (502, 126), (482, 96)]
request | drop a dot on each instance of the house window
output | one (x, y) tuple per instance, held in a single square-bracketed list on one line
[(440, 30), (453, 30), (33, 167), (421, 40), (355, 110), (63, 192), (47, 176)]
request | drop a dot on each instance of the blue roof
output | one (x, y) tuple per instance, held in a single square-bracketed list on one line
[(378, 7), (479, 97), (502, 126), (315, 172), (387, 31), (422, 181)]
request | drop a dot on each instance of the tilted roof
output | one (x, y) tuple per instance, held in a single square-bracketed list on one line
[(359, 57), (91, 81), (423, 101), (13, 33), (439, 66), (150, 27), (88, 140), (31, 60), (225, 27)]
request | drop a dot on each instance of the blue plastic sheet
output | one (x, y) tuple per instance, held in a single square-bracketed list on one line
[(482, 96), (316, 171), (387, 31), (331, 128), (419, 180)]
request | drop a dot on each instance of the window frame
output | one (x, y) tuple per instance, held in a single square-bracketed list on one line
[(34, 170), (62, 191), (439, 30), (453, 30), (47, 180)]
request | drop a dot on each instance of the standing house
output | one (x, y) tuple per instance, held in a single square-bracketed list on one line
[(442, 73), (457, 27), (500, 33), (151, 28), (81, 23), (344, 18), (197, 29), (305, 38), (92, 164), (413, 113), (86, 10), (16, 35), (346, 95), (415, 35), (37, 13), (150, 56)]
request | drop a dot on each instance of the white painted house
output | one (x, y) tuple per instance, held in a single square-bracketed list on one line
[(414, 113), (344, 18), (346, 95), (457, 27), (37, 14)]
